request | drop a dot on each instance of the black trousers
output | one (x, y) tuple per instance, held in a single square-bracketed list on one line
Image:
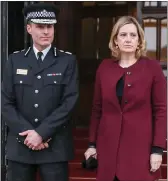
[(27, 172)]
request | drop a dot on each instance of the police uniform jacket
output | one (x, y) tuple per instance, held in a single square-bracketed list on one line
[(40, 99)]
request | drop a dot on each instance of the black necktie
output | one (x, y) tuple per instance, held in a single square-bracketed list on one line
[(39, 55)]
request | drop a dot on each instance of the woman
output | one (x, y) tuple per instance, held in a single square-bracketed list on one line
[(128, 122)]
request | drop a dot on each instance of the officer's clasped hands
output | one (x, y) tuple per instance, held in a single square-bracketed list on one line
[(34, 140)]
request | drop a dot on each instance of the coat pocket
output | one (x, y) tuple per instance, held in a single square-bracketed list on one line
[(22, 80), (54, 81), (54, 86), (20, 83)]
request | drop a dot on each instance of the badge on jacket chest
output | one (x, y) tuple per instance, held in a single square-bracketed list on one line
[(54, 74), (21, 71)]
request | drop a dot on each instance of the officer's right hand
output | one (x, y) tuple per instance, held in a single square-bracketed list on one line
[(90, 152), (42, 146)]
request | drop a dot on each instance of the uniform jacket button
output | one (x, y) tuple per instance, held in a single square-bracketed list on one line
[(35, 105), (36, 120), (39, 76), (36, 91)]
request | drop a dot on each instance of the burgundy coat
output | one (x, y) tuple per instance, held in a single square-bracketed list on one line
[(125, 134)]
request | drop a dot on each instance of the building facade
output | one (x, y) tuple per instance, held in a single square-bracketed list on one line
[(84, 28)]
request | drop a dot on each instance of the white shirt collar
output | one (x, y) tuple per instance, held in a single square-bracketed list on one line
[(45, 51)]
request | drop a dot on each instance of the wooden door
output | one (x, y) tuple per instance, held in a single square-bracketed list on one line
[(97, 20)]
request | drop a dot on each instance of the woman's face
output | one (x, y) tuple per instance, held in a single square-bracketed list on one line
[(127, 39)]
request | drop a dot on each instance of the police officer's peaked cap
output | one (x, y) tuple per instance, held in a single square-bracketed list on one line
[(41, 13)]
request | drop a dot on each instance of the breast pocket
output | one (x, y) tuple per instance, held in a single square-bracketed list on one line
[(54, 86), (54, 81), (22, 80), (21, 85)]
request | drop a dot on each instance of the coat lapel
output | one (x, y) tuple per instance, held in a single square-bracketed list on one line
[(31, 59), (49, 60)]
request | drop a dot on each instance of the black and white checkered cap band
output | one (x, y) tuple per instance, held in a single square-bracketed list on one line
[(41, 14), (44, 21)]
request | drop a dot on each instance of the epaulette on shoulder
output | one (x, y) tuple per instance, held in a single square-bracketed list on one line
[(69, 53), (66, 52), (27, 51), (18, 51)]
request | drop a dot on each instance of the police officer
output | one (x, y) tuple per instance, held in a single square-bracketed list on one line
[(39, 91)]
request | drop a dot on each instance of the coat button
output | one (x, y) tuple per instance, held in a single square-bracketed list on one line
[(36, 91), (18, 140), (36, 120), (21, 82), (55, 82), (125, 101), (36, 105), (129, 85), (128, 73), (39, 76)]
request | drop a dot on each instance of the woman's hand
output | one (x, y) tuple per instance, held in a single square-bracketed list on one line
[(155, 161), (90, 152)]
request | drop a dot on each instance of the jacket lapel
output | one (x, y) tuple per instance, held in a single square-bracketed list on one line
[(49, 60), (31, 59)]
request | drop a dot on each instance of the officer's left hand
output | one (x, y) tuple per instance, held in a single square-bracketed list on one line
[(33, 139), (155, 161)]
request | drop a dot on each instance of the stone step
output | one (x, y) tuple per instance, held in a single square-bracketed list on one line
[(79, 156), (76, 171)]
